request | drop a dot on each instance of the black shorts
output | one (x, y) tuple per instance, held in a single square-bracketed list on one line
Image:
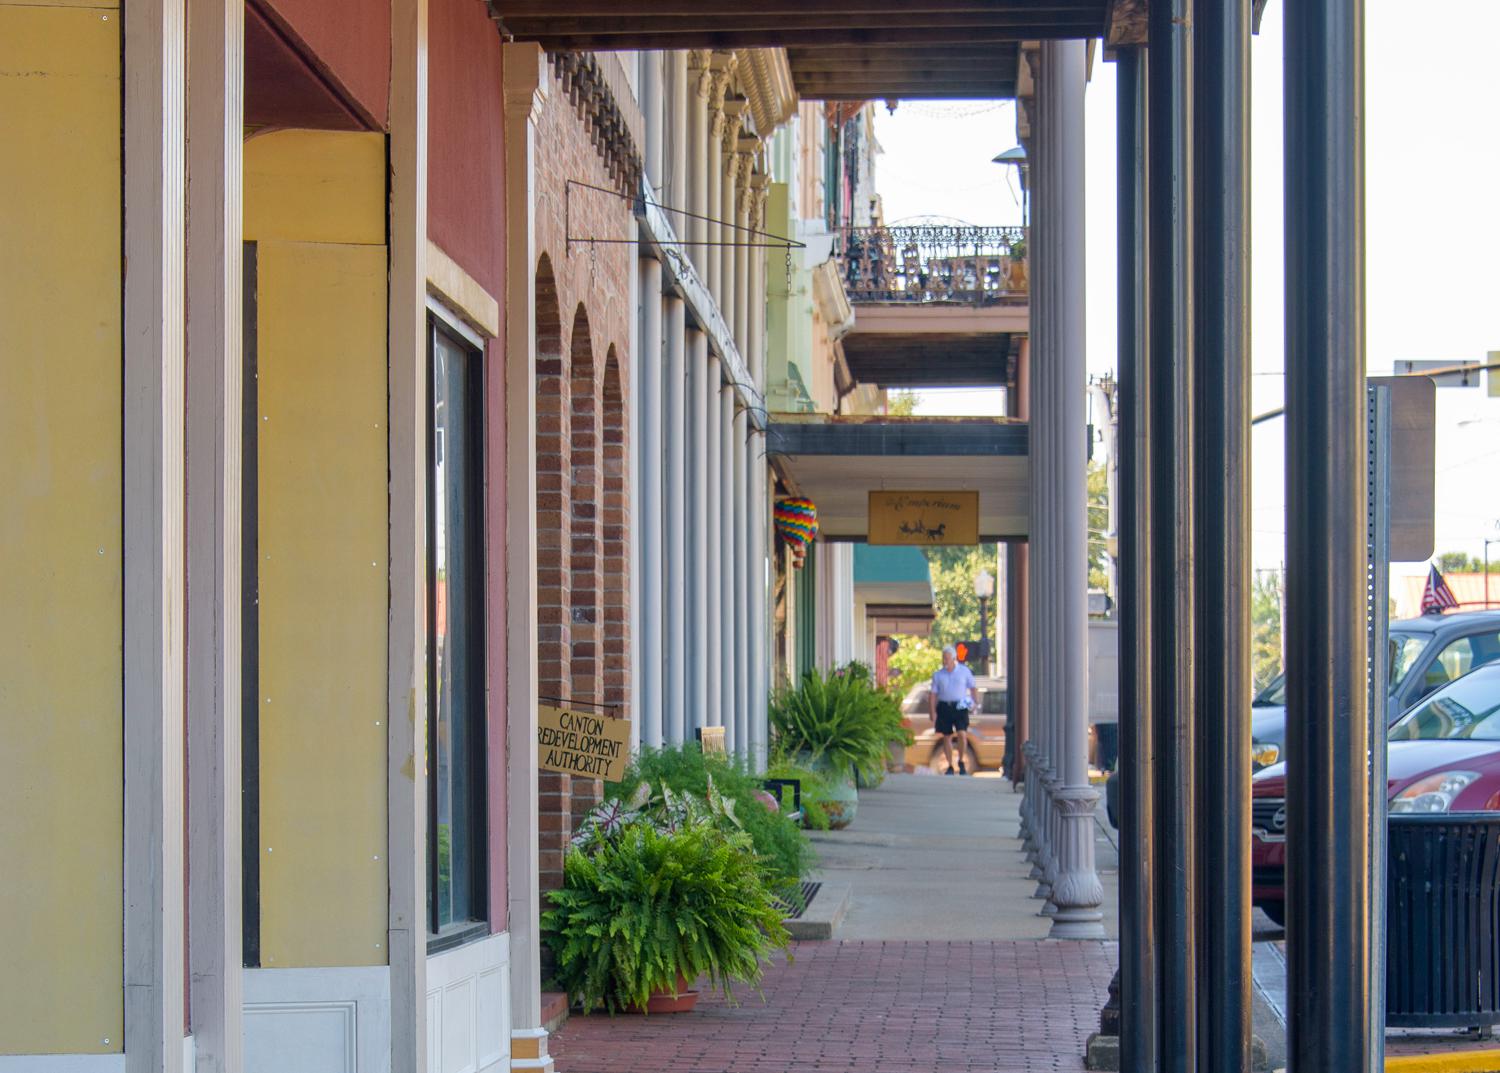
[(951, 718)]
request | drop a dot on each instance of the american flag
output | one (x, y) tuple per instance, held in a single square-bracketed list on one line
[(1437, 597)]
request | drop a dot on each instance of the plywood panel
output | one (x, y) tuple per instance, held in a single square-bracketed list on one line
[(315, 186), (322, 464), (60, 553)]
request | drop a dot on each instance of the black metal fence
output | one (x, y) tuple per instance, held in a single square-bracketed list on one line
[(934, 263), (1443, 921)]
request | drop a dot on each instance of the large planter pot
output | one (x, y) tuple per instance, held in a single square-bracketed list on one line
[(843, 795), (681, 1000)]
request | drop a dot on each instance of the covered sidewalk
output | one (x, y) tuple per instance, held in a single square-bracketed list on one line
[(941, 962)]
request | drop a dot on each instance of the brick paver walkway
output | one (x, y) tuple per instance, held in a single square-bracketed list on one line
[(891, 1007)]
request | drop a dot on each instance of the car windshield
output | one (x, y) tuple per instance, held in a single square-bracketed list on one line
[(1404, 649), (1466, 709)]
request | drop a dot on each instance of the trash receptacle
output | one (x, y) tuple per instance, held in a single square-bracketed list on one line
[(1443, 921)]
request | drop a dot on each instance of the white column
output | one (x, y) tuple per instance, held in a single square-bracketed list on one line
[(729, 639), (155, 188), (727, 211), (652, 109), (1077, 892), (743, 205), (406, 699), (697, 532), (741, 564), (674, 685), (677, 141), (713, 533), (711, 267), (525, 93), (698, 135), (649, 519), (215, 378), (760, 598)]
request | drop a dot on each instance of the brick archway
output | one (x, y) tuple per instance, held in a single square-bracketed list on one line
[(615, 545), (553, 464), (584, 434)]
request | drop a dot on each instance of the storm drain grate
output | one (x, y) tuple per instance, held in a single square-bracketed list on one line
[(793, 912)]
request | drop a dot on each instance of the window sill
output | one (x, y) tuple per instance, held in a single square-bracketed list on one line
[(456, 935)]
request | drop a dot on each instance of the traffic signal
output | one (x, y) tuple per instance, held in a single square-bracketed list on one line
[(971, 650)]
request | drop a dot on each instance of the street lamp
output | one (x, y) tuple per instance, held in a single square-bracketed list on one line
[(984, 588), (1016, 158)]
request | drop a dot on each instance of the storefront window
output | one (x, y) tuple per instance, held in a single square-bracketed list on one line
[(456, 838)]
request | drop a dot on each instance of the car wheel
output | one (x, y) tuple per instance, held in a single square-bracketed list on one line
[(1275, 910), (938, 764)]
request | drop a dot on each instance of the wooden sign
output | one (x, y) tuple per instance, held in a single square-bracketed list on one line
[(924, 518), (577, 743)]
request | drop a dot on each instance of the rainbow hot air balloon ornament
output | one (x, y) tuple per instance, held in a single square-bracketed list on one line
[(797, 524)]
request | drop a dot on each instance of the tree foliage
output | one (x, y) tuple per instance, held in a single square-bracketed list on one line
[(1098, 515), (1265, 629), (955, 607), (1458, 562)]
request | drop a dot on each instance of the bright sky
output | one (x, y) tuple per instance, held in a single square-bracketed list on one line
[(1432, 225)]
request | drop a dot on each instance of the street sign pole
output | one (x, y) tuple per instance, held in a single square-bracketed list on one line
[(1379, 533)]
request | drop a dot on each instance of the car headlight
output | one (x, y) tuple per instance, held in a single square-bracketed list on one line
[(1264, 754), (1435, 793)]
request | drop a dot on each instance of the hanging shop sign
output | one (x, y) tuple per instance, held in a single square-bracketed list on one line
[(579, 743), (924, 518)]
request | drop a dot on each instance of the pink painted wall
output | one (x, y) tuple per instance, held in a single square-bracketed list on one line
[(466, 219), (349, 45)]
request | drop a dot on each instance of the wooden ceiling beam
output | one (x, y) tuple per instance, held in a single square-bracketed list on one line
[(847, 9), (923, 94), (896, 83), (795, 38), (989, 61), (749, 21)]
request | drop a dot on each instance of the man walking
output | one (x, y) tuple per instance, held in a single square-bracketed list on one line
[(949, 701)]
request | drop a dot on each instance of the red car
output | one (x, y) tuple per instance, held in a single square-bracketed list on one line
[(1443, 756)]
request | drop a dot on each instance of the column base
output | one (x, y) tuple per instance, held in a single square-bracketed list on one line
[(1043, 891), (1076, 924), (528, 1050)]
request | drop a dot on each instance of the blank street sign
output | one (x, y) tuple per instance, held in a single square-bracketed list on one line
[(1413, 461)]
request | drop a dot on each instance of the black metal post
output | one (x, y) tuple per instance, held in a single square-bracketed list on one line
[(1327, 878), (984, 636), (1138, 1021), (1172, 531), (1221, 43)]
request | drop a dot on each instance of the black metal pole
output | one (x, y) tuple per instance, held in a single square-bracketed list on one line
[(1221, 42), (1173, 640), (1327, 879), (1138, 1022)]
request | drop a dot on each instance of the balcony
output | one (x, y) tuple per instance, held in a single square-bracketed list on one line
[(934, 264)]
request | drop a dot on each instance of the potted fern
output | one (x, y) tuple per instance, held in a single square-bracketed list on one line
[(840, 724), (657, 892)]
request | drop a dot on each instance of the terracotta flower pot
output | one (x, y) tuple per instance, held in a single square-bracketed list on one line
[(680, 1001)]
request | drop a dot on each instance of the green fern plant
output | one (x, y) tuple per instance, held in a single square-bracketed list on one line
[(639, 911), (839, 721)]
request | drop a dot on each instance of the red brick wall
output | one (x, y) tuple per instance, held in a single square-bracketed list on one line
[(583, 333)]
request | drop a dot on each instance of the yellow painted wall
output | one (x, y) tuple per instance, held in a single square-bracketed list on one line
[(315, 205), (61, 803)]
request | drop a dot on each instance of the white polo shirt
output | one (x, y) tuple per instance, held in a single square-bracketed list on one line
[(953, 686)]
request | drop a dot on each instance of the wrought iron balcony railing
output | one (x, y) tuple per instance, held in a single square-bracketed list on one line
[(935, 263)]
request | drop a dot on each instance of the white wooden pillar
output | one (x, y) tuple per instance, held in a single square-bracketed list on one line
[(674, 686), (696, 534), (740, 609), (714, 612), (649, 519), (729, 638), (406, 698), (214, 385), (525, 94), (155, 324), (698, 138), (1077, 892)]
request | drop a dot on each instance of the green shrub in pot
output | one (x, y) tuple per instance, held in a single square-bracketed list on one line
[(687, 770), (648, 902), (837, 722)]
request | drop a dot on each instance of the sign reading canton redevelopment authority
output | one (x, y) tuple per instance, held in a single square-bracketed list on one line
[(924, 518), (579, 744)]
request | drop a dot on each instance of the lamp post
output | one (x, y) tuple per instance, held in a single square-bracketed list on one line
[(984, 588), (1487, 542)]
